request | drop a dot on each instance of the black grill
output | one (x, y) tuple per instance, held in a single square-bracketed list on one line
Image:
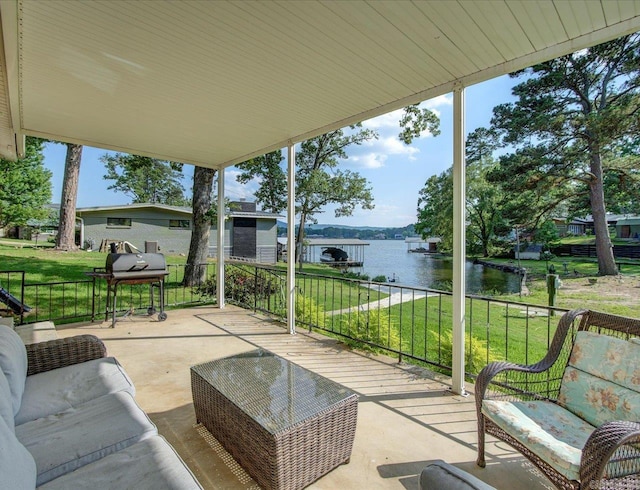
[(133, 268), (136, 266)]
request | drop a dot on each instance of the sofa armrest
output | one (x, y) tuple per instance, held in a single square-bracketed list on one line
[(53, 354), (611, 456)]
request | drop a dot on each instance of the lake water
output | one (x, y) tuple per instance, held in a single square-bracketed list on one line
[(389, 257)]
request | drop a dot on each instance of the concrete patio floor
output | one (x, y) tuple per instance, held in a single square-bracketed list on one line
[(407, 417)]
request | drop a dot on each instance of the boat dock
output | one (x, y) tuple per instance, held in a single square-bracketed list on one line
[(353, 247), (418, 244)]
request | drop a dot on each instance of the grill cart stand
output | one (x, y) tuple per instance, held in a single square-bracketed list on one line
[(131, 269)]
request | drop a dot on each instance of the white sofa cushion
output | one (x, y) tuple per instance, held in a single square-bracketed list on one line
[(60, 389), (66, 441), (13, 362), (151, 464), (17, 467), (6, 407)]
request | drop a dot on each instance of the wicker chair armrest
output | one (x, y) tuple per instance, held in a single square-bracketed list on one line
[(524, 372), (611, 456), (493, 369), (53, 354)]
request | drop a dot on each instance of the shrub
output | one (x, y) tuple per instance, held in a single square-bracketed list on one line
[(476, 352), (380, 278), (355, 275), (442, 285), (370, 326), (241, 286), (309, 312)]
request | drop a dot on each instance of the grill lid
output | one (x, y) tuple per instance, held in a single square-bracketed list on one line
[(139, 264)]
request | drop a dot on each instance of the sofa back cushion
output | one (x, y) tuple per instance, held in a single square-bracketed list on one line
[(13, 363), (602, 379), (17, 466)]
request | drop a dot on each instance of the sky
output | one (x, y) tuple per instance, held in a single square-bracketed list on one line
[(396, 172)]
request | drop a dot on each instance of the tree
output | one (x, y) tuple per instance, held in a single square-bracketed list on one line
[(484, 201), (25, 186), (319, 182), (194, 273), (66, 237), (480, 144), (547, 234), (417, 121), (435, 209), (484, 208), (144, 179), (622, 181), (272, 193), (570, 114)]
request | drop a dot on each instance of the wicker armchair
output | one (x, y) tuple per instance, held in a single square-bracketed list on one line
[(610, 456)]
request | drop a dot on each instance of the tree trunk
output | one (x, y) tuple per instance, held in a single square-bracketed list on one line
[(195, 272), (604, 249), (300, 241), (66, 239)]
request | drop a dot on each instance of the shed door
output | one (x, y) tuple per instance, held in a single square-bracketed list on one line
[(625, 231), (244, 237)]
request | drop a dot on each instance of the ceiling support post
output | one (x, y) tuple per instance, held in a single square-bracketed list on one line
[(459, 240), (220, 241), (291, 238)]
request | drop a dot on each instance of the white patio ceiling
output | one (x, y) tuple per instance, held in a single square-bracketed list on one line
[(216, 82)]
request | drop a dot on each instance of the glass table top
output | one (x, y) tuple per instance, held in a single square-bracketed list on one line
[(274, 392)]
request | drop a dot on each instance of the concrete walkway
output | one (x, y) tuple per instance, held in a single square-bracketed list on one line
[(402, 296)]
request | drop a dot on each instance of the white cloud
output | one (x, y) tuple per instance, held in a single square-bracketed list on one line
[(388, 120), (444, 100), (391, 145), (368, 160), (375, 153), (234, 190)]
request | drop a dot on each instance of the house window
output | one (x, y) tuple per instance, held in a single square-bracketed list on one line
[(119, 222), (182, 224)]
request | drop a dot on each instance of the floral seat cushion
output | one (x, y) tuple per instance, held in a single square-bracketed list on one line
[(553, 433), (602, 380)]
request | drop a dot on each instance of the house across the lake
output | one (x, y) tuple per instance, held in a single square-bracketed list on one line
[(249, 233)]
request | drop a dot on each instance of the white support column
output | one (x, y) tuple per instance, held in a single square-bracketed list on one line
[(459, 240), (220, 241), (291, 238)]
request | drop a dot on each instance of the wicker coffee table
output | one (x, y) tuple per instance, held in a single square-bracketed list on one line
[(285, 425)]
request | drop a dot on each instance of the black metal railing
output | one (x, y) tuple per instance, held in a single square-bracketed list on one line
[(408, 322), (86, 299)]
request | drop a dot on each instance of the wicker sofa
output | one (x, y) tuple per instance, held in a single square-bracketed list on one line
[(576, 413), (68, 419)]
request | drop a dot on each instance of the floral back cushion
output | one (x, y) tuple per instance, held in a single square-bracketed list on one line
[(602, 380)]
